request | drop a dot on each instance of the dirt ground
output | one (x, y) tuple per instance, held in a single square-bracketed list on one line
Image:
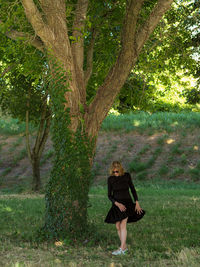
[(169, 156)]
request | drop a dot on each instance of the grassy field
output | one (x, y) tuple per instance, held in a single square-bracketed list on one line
[(162, 153), (139, 121), (168, 235), (144, 121)]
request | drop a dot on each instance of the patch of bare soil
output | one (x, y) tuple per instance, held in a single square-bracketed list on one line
[(164, 155)]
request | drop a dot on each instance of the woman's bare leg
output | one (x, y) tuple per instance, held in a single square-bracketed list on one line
[(123, 233)]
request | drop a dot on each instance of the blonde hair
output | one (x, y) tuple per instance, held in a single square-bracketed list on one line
[(116, 165)]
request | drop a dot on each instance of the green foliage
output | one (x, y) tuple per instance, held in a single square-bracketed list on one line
[(183, 159), (195, 172), (138, 166), (46, 156), (21, 81), (142, 175), (22, 154), (68, 187), (167, 65), (134, 94), (11, 126), (166, 105), (176, 149), (18, 94), (192, 96), (156, 82), (21, 87), (176, 172), (163, 170), (6, 171), (161, 140)]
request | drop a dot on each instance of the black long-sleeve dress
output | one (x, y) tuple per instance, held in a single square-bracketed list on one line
[(118, 190)]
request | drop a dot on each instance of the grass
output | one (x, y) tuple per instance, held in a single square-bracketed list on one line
[(140, 121), (168, 235), (176, 149), (16, 144), (163, 170), (139, 166), (195, 174), (2, 144), (10, 126), (176, 172), (46, 156), (159, 121), (6, 171), (22, 154)]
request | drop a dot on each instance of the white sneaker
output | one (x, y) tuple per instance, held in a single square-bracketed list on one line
[(124, 251), (117, 252)]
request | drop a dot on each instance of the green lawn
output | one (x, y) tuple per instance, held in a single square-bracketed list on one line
[(139, 121), (158, 121), (168, 235)]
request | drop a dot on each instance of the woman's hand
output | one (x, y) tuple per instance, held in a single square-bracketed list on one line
[(138, 208), (120, 206)]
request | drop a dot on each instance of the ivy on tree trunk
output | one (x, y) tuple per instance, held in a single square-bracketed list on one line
[(67, 190)]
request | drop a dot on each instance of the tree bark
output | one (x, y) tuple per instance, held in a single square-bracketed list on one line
[(53, 33), (41, 138), (36, 184)]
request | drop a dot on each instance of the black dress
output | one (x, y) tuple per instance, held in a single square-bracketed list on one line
[(118, 190)]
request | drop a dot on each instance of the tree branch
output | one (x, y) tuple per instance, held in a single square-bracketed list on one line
[(78, 28), (35, 18), (145, 30), (55, 14), (41, 125), (89, 66), (33, 40), (89, 60), (28, 147), (45, 134), (119, 72)]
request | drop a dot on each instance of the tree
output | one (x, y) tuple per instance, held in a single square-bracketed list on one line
[(24, 97), (21, 98), (68, 32)]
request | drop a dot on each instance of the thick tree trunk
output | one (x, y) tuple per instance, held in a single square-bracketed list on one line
[(70, 180)]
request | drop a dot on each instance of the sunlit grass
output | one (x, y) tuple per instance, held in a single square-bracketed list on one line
[(158, 121), (140, 121)]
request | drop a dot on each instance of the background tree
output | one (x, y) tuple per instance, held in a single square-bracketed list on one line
[(25, 98), (70, 34)]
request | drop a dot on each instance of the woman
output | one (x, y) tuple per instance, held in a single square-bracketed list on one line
[(123, 209)]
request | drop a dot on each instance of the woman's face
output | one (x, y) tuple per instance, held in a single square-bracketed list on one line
[(115, 172)]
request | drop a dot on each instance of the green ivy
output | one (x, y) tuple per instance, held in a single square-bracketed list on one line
[(67, 190)]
